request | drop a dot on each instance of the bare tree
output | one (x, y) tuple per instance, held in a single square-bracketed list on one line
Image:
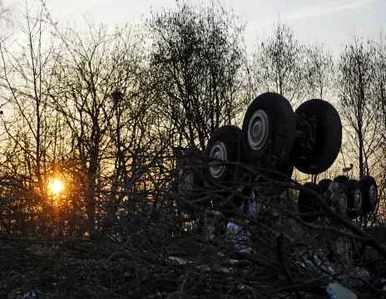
[(318, 72), (24, 77), (102, 94), (28, 122), (379, 83), (278, 64), (356, 73), (196, 64), (379, 109)]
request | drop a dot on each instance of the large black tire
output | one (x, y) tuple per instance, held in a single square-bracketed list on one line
[(319, 136), (268, 130), (308, 205), (324, 187), (354, 199), (324, 184), (338, 200), (189, 185), (341, 179), (369, 190), (224, 145)]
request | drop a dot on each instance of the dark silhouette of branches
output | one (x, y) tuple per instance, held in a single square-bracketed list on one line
[(278, 64), (356, 77), (195, 66), (117, 121)]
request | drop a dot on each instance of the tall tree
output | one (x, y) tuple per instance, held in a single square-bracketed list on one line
[(356, 73), (26, 74), (379, 109), (195, 64), (379, 84), (96, 92), (278, 64), (28, 121), (318, 72)]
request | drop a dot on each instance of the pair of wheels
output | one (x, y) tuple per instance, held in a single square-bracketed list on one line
[(348, 197), (275, 137)]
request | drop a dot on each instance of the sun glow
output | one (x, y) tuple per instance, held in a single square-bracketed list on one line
[(56, 186)]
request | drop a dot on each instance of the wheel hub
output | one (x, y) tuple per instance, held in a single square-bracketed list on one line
[(185, 184), (218, 153), (258, 130), (342, 204), (253, 203), (357, 200), (373, 195)]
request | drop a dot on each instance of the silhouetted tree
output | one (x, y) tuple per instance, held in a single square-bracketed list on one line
[(96, 93), (356, 73), (379, 109), (278, 64), (29, 124), (318, 72), (379, 84), (195, 64)]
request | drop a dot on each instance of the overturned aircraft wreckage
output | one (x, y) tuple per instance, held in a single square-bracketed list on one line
[(272, 141)]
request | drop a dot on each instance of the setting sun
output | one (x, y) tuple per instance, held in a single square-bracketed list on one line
[(56, 186)]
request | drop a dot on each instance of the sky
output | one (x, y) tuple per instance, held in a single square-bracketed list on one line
[(332, 23)]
